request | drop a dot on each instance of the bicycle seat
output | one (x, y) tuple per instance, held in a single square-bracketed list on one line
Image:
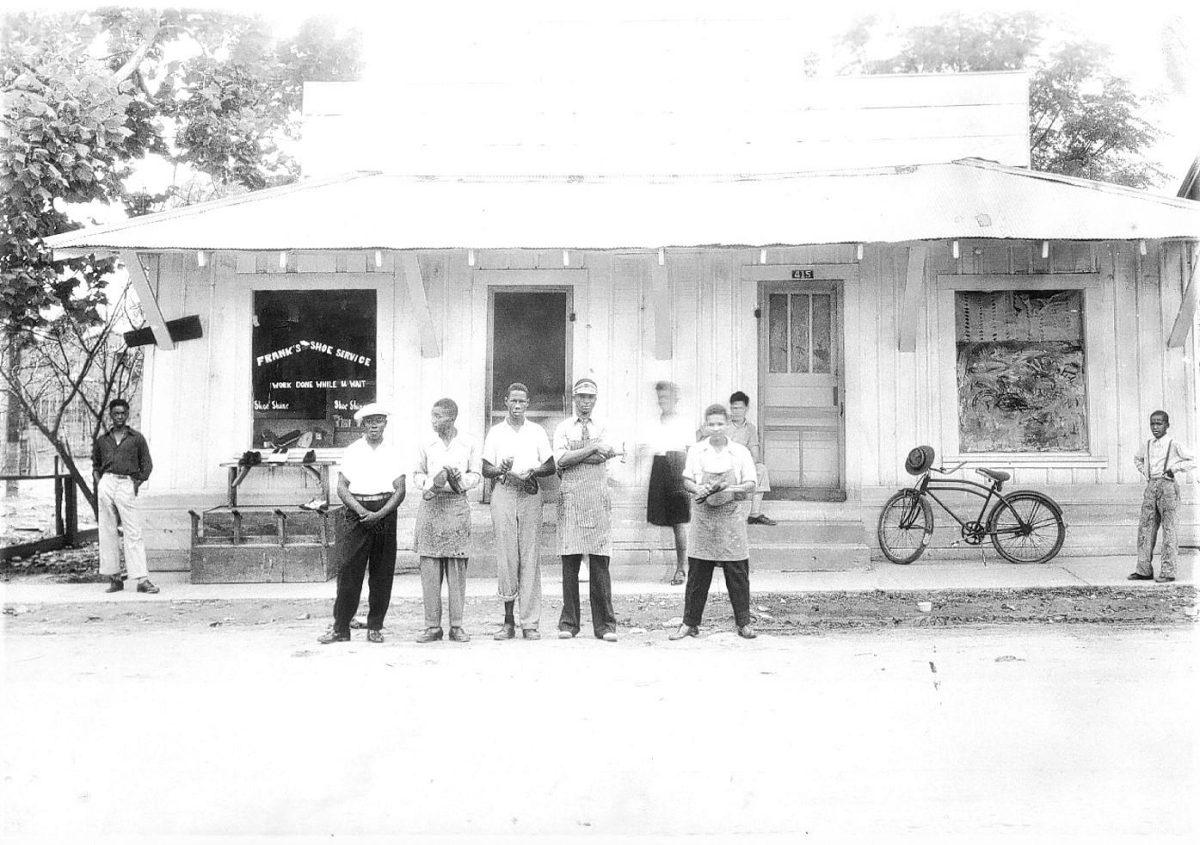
[(994, 474)]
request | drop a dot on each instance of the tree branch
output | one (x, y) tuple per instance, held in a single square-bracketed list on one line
[(134, 61)]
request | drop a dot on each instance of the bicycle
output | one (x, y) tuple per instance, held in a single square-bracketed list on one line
[(1025, 526)]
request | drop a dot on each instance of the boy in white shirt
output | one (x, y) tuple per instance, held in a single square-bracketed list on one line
[(720, 474), (1158, 460)]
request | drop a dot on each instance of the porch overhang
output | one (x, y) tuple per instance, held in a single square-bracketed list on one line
[(969, 198)]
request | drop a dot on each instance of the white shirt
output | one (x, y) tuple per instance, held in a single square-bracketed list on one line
[(370, 471), (1152, 458), (703, 457), (462, 453), (528, 446), (570, 431), (673, 434)]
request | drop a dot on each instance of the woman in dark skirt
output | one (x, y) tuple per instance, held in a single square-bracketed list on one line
[(668, 503)]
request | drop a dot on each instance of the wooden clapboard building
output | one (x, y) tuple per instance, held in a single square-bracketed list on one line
[(874, 264)]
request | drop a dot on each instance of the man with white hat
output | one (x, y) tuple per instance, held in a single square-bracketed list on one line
[(371, 486), (581, 449)]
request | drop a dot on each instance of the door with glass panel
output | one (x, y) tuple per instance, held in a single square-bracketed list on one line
[(801, 391)]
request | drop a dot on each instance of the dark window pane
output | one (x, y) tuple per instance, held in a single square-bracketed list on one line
[(529, 345), (777, 333), (801, 317)]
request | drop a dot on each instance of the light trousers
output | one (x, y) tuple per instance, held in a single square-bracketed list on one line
[(517, 523), (435, 570), (1160, 504), (115, 498)]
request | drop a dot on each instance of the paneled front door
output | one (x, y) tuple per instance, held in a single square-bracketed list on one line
[(800, 374)]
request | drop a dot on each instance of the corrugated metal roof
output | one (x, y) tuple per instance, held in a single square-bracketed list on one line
[(968, 198)]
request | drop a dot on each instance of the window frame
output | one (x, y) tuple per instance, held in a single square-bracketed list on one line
[(1098, 366)]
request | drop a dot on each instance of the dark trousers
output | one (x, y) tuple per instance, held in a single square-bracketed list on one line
[(604, 619), (369, 549), (699, 579)]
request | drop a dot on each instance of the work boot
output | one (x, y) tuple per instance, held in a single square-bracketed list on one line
[(115, 584), (458, 635), (332, 636), (507, 632), (144, 586), (430, 635)]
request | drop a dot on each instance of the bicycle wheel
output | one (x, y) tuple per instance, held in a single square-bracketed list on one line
[(1027, 527), (905, 526)]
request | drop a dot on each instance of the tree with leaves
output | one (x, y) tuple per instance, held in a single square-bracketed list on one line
[(1085, 120), (87, 95)]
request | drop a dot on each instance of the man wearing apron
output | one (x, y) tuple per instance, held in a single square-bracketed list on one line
[(448, 465), (580, 452), (720, 474), (371, 486), (515, 453)]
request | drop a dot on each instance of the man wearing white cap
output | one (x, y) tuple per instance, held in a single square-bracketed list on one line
[(371, 486), (515, 453), (580, 451)]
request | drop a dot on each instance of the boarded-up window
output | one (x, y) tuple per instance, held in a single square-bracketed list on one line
[(1021, 371), (313, 365), (800, 333)]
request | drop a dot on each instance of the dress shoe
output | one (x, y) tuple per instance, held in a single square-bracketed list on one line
[(506, 632), (566, 635), (746, 632), (761, 519), (144, 586), (332, 636), (115, 585), (357, 624), (458, 635), (685, 631), (530, 634), (374, 635), (1137, 576), (1164, 579), (430, 635), (609, 636)]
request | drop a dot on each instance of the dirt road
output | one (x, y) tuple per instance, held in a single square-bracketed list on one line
[(130, 727)]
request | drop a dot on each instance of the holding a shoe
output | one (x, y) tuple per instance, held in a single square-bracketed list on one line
[(448, 465), (371, 486), (720, 475)]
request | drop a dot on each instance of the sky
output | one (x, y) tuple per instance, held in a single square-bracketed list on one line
[(650, 53)]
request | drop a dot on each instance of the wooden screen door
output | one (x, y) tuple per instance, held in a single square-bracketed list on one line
[(801, 391)]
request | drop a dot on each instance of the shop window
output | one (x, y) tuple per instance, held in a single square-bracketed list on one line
[(314, 364), (1020, 362)]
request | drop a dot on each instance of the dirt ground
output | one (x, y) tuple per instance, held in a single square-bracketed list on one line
[(161, 724), (786, 615)]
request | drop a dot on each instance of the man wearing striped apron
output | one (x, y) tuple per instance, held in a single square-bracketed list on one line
[(371, 486), (1158, 461), (448, 465), (516, 453), (720, 474), (580, 452)]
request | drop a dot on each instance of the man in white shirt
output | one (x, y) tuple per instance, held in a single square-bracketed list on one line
[(371, 486), (720, 474), (448, 465), (516, 453), (1158, 460), (581, 449)]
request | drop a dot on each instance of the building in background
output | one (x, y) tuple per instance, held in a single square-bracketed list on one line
[(874, 263)]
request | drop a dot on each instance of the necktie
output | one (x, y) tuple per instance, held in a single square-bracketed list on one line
[(585, 435)]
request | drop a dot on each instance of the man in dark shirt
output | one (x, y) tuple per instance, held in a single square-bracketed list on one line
[(120, 465)]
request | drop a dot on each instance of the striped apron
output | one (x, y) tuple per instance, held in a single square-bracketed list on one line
[(584, 509)]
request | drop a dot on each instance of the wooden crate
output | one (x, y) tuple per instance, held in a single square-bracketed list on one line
[(263, 544)]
